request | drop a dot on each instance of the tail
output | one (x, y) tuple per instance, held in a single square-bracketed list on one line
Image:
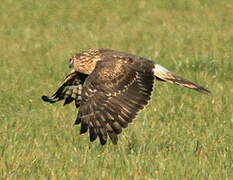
[(163, 74)]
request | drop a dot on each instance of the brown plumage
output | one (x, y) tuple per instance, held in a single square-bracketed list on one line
[(110, 88)]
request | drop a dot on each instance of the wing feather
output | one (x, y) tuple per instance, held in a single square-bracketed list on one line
[(112, 96), (70, 90)]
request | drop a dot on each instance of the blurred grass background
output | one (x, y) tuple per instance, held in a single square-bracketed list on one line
[(180, 135)]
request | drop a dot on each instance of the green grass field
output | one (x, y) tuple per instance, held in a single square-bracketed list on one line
[(181, 134)]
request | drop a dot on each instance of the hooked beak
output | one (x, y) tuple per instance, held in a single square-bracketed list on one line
[(70, 65)]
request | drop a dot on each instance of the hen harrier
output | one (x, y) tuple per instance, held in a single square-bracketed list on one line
[(109, 88)]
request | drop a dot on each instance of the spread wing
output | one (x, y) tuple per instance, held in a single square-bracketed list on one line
[(112, 96), (70, 90)]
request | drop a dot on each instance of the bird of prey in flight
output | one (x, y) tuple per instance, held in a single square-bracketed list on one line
[(110, 87)]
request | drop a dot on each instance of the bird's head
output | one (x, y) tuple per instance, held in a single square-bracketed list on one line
[(84, 62)]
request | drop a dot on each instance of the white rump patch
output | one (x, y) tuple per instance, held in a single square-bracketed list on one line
[(159, 70)]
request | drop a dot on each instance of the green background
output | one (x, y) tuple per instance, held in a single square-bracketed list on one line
[(182, 134)]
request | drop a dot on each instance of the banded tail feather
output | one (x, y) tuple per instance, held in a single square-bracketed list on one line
[(163, 74)]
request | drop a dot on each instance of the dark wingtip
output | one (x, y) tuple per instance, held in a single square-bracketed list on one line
[(68, 100), (77, 121), (102, 142), (113, 137), (84, 128), (47, 99)]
